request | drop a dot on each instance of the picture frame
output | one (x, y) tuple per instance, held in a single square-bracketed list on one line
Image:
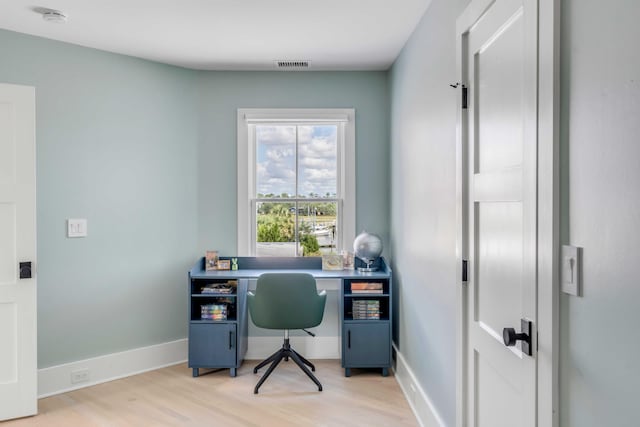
[(332, 262), (348, 260), (211, 260), (224, 264)]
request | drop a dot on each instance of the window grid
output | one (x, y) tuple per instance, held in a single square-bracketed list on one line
[(343, 199)]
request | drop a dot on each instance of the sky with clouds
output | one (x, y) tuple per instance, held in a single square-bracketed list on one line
[(276, 159)]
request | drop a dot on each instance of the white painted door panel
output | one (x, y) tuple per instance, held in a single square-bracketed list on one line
[(500, 54), (18, 367)]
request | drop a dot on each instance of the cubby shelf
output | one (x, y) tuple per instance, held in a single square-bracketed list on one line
[(366, 322), (222, 342)]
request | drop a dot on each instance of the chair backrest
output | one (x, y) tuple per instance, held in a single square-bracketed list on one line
[(286, 301)]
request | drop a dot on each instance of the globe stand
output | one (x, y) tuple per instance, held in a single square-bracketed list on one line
[(368, 268)]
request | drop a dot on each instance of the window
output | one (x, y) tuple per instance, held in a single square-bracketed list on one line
[(296, 181)]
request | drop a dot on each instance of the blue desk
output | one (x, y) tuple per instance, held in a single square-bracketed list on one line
[(366, 342)]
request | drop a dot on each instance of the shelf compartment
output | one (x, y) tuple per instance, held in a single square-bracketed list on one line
[(366, 308), (203, 305), (365, 287), (219, 287)]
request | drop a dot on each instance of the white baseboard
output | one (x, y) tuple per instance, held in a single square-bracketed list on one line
[(58, 379), (310, 347), (419, 401)]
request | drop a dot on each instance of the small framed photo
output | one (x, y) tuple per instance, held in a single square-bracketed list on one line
[(348, 260), (224, 264), (332, 262), (211, 260)]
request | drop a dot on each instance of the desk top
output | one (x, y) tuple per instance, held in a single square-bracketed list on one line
[(252, 267)]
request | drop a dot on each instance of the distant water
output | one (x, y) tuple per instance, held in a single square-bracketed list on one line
[(289, 249)]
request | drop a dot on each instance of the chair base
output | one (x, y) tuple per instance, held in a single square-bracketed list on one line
[(285, 353)]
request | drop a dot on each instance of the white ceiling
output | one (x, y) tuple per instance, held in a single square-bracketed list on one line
[(230, 34)]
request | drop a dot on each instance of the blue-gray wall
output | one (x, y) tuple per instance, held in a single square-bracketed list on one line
[(147, 153), (423, 202), (600, 193), (222, 93), (116, 143)]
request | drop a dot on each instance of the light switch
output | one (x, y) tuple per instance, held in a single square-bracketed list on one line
[(76, 227), (571, 270)]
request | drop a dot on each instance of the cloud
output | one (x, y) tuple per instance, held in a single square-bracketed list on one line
[(317, 159), (276, 134)]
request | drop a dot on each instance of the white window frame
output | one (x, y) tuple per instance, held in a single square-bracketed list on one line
[(346, 191)]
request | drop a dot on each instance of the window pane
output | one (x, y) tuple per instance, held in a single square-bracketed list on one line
[(275, 161), (317, 227), (317, 161), (275, 232)]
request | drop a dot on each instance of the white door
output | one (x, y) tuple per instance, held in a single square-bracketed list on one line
[(499, 134), (18, 367)]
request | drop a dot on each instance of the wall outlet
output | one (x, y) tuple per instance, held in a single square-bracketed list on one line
[(413, 391), (79, 376)]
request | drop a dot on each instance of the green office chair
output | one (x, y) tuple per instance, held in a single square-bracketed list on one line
[(286, 301)]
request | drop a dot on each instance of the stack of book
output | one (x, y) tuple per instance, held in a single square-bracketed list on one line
[(366, 309), (220, 288), (366, 288), (213, 312)]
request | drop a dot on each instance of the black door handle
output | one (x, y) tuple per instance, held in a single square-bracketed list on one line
[(510, 336), (349, 338), (230, 339)]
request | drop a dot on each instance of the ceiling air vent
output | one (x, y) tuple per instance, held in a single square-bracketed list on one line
[(51, 15), (292, 65)]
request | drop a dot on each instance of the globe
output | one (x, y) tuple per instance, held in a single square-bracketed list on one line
[(367, 247)]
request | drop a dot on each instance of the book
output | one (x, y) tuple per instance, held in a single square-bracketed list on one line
[(365, 307), (366, 291), (218, 288), (366, 302), (365, 286), (213, 312), (356, 317)]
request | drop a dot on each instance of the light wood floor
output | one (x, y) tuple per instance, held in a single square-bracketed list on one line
[(172, 397)]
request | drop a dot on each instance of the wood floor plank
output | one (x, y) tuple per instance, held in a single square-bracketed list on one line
[(172, 397)]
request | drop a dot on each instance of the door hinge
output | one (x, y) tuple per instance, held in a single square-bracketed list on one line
[(464, 97), (464, 270)]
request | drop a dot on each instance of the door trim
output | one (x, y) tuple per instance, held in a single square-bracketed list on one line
[(547, 210)]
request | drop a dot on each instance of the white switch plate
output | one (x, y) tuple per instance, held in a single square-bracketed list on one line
[(571, 264), (76, 227)]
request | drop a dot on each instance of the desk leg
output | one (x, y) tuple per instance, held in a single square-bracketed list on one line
[(385, 372), (232, 372), (347, 372), (195, 372)]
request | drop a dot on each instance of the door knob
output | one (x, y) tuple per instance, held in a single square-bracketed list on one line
[(510, 336)]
